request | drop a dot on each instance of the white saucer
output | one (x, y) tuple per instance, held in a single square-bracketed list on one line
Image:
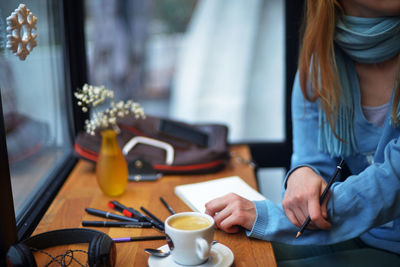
[(220, 255)]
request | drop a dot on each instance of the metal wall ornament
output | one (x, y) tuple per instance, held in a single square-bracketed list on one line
[(20, 25)]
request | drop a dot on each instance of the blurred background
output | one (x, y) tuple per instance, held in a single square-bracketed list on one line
[(220, 61), (197, 61)]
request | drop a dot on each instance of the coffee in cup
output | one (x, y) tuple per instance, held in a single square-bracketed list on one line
[(189, 236), (189, 222)]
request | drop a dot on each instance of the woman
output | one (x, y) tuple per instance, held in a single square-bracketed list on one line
[(345, 105)]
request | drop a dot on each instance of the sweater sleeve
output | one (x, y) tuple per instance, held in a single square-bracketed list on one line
[(363, 201), (305, 136)]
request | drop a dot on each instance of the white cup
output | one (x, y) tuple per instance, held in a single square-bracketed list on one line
[(189, 246)]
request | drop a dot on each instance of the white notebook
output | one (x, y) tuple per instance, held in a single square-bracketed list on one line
[(198, 194)]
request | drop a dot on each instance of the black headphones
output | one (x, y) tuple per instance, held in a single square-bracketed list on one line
[(101, 253)]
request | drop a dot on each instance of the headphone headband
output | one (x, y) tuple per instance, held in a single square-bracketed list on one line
[(61, 237), (101, 251)]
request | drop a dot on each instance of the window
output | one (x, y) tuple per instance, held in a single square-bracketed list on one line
[(172, 56), (201, 61), (220, 61), (36, 105)]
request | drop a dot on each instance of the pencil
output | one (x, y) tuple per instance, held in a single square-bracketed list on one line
[(322, 197), (167, 206)]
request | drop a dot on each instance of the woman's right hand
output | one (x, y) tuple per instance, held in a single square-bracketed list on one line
[(301, 199)]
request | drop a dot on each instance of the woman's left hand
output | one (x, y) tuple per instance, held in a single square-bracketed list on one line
[(232, 211)]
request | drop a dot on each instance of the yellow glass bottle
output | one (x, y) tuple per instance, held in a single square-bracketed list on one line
[(111, 168)]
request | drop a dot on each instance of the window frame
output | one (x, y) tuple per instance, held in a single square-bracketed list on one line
[(75, 67), (277, 154), (12, 230)]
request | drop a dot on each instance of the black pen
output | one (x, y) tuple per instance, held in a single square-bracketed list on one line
[(153, 216), (167, 206), (109, 215), (117, 224), (155, 223), (322, 197)]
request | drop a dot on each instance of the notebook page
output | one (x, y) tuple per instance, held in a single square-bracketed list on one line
[(196, 195)]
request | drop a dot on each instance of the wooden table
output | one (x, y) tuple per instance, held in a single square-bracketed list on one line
[(81, 191)]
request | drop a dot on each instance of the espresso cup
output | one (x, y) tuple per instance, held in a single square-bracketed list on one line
[(189, 236)]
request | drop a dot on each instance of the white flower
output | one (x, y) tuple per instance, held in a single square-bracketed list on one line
[(94, 96)]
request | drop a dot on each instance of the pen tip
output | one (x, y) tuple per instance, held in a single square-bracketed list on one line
[(298, 234)]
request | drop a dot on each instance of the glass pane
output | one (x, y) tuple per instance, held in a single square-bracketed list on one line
[(197, 61), (34, 101), (270, 182)]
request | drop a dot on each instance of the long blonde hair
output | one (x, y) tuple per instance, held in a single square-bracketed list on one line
[(317, 66)]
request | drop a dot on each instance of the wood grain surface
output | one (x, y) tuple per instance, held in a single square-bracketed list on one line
[(81, 191)]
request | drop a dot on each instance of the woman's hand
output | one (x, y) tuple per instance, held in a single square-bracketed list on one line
[(301, 199), (232, 211)]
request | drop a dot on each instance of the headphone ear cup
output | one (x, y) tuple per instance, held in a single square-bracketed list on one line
[(101, 251), (19, 255)]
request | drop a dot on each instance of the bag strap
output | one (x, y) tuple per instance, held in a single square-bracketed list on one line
[(169, 157)]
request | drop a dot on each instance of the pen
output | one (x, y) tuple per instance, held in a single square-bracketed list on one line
[(322, 197), (117, 224), (130, 212), (139, 238), (167, 206), (161, 223), (155, 223), (109, 215)]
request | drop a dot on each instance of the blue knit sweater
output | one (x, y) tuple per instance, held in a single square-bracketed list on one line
[(366, 204)]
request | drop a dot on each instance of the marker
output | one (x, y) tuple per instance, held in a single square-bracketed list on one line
[(167, 206), (139, 238), (130, 212), (117, 224), (109, 215), (153, 217)]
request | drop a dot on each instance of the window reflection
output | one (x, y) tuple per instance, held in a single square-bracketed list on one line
[(34, 103), (197, 60), (132, 45)]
